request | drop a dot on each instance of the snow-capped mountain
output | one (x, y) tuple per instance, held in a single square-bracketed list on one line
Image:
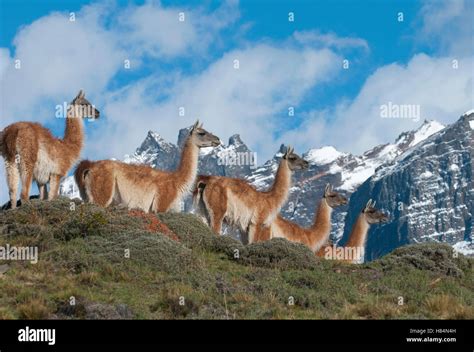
[(156, 152), (68, 187), (345, 171), (428, 192), (224, 160)]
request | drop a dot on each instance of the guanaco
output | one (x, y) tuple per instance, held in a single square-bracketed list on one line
[(109, 182), (32, 153), (353, 251), (240, 204), (318, 233)]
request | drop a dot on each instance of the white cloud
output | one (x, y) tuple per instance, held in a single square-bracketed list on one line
[(156, 31), (330, 40), (447, 26), (442, 92), (311, 133), (4, 60), (57, 57), (438, 14), (228, 100)]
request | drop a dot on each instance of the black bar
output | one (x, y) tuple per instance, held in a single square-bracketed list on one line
[(330, 333)]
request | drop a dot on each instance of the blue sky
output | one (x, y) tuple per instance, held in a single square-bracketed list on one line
[(268, 20), (282, 64)]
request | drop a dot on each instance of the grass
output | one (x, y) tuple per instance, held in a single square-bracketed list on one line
[(113, 263)]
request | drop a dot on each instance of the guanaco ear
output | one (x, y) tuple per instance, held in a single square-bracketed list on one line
[(368, 205), (326, 190), (81, 94), (200, 126), (288, 152), (196, 125)]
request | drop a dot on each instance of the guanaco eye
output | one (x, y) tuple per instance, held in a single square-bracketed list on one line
[(201, 133)]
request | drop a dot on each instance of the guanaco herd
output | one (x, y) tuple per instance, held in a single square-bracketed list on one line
[(32, 153)]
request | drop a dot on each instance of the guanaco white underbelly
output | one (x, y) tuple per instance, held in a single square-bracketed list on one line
[(177, 204), (276, 232), (44, 167), (126, 193), (238, 213)]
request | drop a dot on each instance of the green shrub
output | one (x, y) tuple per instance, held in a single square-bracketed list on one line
[(433, 257), (279, 253), (193, 233)]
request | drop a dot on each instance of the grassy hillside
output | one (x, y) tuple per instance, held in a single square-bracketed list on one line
[(126, 264)]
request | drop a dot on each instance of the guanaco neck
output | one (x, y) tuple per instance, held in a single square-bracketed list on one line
[(187, 169), (74, 133), (281, 185), (321, 228), (358, 235)]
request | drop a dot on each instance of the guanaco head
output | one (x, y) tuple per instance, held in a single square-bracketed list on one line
[(333, 198), (295, 162), (372, 215), (81, 107), (201, 138)]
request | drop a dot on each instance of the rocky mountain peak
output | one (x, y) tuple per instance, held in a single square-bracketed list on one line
[(153, 141), (182, 135), (235, 140), (467, 119), (282, 149)]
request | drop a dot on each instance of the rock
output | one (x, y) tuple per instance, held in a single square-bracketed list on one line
[(107, 311), (4, 268)]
